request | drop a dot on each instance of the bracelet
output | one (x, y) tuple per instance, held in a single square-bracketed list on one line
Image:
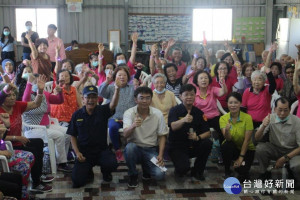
[(7, 93), (14, 138), (243, 156), (58, 59), (151, 56), (100, 58)]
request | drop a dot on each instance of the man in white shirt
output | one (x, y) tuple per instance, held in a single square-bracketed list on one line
[(145, 129)]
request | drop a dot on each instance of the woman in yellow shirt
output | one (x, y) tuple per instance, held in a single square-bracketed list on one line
[(237, 128)]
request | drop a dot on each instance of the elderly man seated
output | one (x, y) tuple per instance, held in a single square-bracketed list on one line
[(284, 140)]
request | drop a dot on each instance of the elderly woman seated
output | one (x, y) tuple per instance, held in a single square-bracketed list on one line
[(162, 99), (257, 99), (40, 116)]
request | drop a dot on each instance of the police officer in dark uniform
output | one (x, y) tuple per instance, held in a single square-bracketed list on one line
[(88, 130)]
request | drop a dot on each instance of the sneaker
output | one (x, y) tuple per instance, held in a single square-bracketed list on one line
[(46, 178), (107, 177), (119, 156), (64, 168), (133, 181), (42, 188), (146, 176)]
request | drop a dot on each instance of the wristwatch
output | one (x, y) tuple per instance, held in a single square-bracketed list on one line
[(287, 158)]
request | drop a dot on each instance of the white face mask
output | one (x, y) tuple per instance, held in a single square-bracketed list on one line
[(28, 28), (160, 92), (107, 71), (119, 62), (75, 47)]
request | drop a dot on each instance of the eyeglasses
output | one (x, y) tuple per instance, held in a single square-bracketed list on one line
[(144, 98), (222, 69)]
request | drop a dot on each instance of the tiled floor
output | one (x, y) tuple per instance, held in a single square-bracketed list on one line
[(171, 188)]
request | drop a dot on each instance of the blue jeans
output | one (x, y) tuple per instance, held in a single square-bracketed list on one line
[(26, 56), (114, 132), (142, 155)]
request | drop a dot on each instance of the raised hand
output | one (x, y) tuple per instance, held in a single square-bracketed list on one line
[(28, 37), (100, 47), (171, 42), (57, 48), (134, 37), (118, 84), (298, 47), (58, 89), (9, 87), (138, 120), (188, 118), (266, 120), (273, 47), (154, 50), (41, 80), (228, 126), (297, 66), (109, 77)]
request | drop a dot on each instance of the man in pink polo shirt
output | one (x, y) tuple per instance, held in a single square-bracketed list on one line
[(53, 42), (176, 58)]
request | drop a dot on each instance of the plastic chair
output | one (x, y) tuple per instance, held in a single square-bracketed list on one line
[(178, 100), (294, 106), (3, 159), (143, 76), (49, 86), (46, 139), (223, 112)]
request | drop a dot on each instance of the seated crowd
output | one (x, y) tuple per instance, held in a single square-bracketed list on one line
[(170, 117)]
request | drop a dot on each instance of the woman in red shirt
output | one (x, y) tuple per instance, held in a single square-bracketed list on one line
[(15, 109)]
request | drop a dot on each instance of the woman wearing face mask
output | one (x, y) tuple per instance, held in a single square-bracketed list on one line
[(40, 116), (126, 101), (33, 35), (8, 66), (8, 48), (40, 59), (162, 99), (23, 70)]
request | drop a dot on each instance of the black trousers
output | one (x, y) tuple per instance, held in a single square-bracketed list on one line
[(181, 156), (230, 152), (215, 124), (11, 184), (35, 146), (106, 159)]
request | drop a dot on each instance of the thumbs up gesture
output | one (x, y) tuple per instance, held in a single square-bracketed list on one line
[(188, 118), (228, 126), (266, 120), (138, 120)]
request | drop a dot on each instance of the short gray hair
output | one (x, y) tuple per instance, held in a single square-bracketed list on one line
[(259, 73), (159, 75)]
